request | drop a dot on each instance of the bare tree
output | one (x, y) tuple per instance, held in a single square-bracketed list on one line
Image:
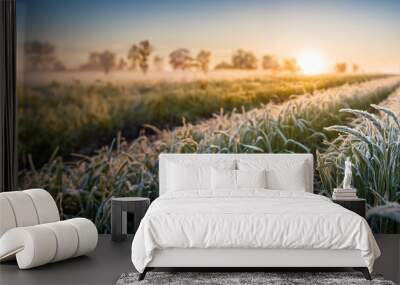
[(181, 59), (270, 62), (139, 55), (40, 56), (203, 60), (244, 60), (341, 67), (355, 67), (290, 64), (158, 63)]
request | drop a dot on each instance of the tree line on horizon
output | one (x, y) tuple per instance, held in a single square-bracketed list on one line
[(41, 56)]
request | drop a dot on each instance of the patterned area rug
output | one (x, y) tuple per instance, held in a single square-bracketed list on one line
[(243, 278)]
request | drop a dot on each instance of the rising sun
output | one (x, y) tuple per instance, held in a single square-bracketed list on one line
[(311, 62)]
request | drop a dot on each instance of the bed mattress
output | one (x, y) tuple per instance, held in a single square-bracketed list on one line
[(250, 219)]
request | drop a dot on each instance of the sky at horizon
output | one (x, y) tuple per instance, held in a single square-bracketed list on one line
[(363, 32)]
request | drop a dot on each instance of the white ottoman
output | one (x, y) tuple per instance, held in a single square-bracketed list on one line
[(31, 232)]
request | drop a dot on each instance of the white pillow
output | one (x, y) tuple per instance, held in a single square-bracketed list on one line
[(251, 178), (181, 177), (292, 179), (191, 174), (223, 179), (281, 174)]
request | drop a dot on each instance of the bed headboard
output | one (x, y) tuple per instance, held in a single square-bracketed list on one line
[(285, 160)]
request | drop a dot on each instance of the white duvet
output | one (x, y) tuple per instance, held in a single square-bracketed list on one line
[(250, 219)]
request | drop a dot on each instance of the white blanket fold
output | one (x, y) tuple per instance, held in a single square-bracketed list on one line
[(250, 218)]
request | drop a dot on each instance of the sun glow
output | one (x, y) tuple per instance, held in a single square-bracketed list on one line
[(311, 63)]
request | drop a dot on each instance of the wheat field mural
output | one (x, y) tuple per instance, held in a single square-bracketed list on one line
[(102, 97)]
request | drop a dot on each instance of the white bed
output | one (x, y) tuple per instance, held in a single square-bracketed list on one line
[(281, 224)]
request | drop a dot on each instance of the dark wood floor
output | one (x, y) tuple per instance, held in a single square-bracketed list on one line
[(111, 259), (103, 266)]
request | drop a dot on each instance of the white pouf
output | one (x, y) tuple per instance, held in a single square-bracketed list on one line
[(31, 232)]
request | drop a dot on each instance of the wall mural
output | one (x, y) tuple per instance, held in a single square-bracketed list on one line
[(105, 86)]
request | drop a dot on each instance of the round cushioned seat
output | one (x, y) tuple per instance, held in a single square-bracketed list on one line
[(31, 232), (41, 244)]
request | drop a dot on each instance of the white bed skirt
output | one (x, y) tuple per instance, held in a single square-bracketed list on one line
[(192, 257)]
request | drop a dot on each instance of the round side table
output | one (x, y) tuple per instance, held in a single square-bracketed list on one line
[(120, 206)]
